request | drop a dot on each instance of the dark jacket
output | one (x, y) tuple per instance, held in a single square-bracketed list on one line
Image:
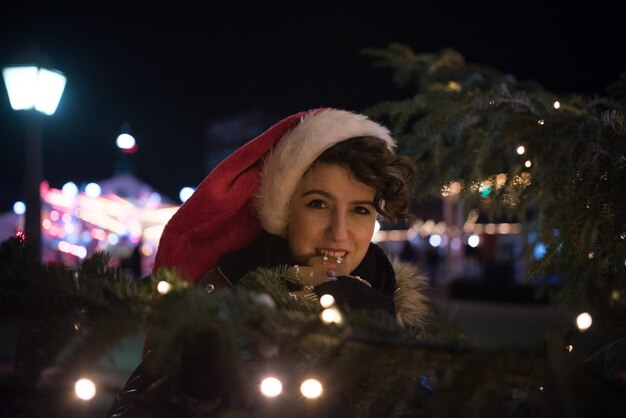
[(270, 250), (191, 387)]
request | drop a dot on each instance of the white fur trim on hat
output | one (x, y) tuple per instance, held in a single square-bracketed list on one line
[(297, 150)]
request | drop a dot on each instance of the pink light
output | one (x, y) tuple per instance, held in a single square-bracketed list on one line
[(56, 231), (99, 234), (130, 150), (77, 250)]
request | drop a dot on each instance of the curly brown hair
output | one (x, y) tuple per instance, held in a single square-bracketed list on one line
[(372, 163)]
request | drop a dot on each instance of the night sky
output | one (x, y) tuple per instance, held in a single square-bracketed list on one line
[(168, 71)]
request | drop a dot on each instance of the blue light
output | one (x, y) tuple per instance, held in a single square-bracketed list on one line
[(435, 240), (539, 251), (185, 193), (19, 208)]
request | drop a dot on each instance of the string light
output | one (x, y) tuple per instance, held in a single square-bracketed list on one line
[(583, 321), (331, 315), (615, 295), (451, 189), (473, 240), (490, 228), (522, 180), (146, 250), (454, 86), (311, 388), (271, 387), (327, 301), (569, 348), (85, 389), (520, 150), (500, 180), (164, 287), (556, 104), (528, 163), (485, 188)]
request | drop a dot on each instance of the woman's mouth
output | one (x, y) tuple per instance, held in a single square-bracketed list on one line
[(326, 252)]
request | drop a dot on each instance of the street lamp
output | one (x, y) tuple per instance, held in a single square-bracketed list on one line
[(35, 90)]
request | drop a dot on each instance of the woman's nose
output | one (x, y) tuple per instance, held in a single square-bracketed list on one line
[(338, 228)]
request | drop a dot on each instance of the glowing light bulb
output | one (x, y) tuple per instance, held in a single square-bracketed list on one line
[(473, 240), (330, 316), (125, 141), (271, 387), (185, 193), (69, 189), (327, 301), (19, 208), (311, 388), (164, 287), (93, 190), (528, 163), (583, 321), (556, 104), (435, 240), (85, 389), (146, 250), (520, 150)]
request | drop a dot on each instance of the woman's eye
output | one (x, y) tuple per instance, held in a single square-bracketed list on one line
[(361, 210), (317, 204)]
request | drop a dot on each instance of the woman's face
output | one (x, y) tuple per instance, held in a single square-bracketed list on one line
[(331, 213)]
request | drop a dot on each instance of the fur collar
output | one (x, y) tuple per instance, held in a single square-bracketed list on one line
[(412, 310)]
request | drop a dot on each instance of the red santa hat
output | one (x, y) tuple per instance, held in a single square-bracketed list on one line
[(250, 190)]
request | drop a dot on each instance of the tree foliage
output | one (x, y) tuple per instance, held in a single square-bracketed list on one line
[(464, 123)]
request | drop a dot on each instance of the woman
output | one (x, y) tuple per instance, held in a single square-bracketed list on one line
[(305, 194)]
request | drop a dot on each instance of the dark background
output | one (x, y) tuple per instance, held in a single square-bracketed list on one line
[(170, 70)]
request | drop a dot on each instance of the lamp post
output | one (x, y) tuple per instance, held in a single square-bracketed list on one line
[(36, 91)]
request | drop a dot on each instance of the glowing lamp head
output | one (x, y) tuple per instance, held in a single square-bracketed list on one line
[(31, 87), (126, 143), (19, 208)]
